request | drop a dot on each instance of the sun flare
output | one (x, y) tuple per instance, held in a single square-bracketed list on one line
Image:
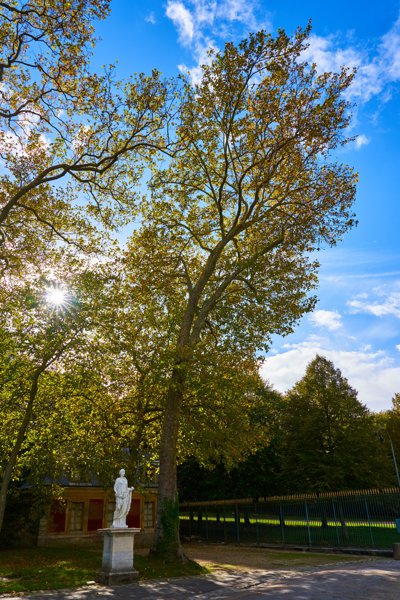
[(56, 296)]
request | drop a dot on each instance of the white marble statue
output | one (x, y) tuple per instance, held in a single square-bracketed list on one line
[(123, 499)]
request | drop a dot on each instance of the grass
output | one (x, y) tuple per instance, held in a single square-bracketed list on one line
[(267, 530), (34, 569), (388, 524), (26, 570), (37, 569)]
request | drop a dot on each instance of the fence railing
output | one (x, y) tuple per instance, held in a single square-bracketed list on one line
[(359, 519)]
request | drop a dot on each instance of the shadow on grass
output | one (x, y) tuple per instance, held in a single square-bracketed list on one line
[(34, 569)]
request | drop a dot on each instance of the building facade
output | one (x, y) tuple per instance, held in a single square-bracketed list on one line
[(85, 508)]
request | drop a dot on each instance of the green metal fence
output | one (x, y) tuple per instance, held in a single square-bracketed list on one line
[(358, 519)]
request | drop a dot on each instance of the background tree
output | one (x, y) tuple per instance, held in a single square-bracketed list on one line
[(387, 429), (393, 425), (65, 134), (71, 397), (320, 437), (233, 216), (328, 442)]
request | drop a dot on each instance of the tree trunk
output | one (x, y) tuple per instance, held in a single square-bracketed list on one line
[(166, 541), (7, 473)]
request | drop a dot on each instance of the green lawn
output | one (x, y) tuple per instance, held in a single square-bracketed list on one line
[(33, 569), (263, 529)]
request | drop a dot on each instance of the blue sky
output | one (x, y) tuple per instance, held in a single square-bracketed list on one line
[(357, 320)]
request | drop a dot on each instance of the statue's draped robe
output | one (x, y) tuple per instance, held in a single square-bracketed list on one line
[(123, 496)]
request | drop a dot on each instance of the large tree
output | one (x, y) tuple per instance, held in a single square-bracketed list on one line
[(65, 135), (252, 189), (73, 398)]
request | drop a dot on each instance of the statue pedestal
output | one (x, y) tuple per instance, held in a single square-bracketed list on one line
[(118, 556)]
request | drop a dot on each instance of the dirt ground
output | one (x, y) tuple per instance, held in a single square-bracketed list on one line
[(250, 559)]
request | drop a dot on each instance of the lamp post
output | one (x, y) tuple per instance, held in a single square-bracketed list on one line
[(394, 460), (382, 439)]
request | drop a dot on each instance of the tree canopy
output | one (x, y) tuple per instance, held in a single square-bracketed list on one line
[(62, 124), (34, 337)]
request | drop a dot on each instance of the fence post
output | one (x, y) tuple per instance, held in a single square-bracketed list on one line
[(257, 532), (224, 523), (282, 522), (369, 521), (336, 522), (200, 522), (237, 520), (308, 524), (342, 518), (191, 521)]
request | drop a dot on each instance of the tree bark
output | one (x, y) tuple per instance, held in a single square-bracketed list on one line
[(166, 541)]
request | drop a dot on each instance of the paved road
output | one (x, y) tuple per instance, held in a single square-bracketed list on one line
[(370, 580)]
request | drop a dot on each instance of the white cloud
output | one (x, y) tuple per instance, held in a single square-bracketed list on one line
[(182, 19), (202, 24), (323, 51), (375, 70), (16, 141), (390, 51), (385, 301), (205, 11), (374, 375), (329, 319), (203, 58), (238, 10), (398, 347), (360, 141), (328, 55)]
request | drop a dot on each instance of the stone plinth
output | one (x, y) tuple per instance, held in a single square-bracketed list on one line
[(396, 551), (118, 556)]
